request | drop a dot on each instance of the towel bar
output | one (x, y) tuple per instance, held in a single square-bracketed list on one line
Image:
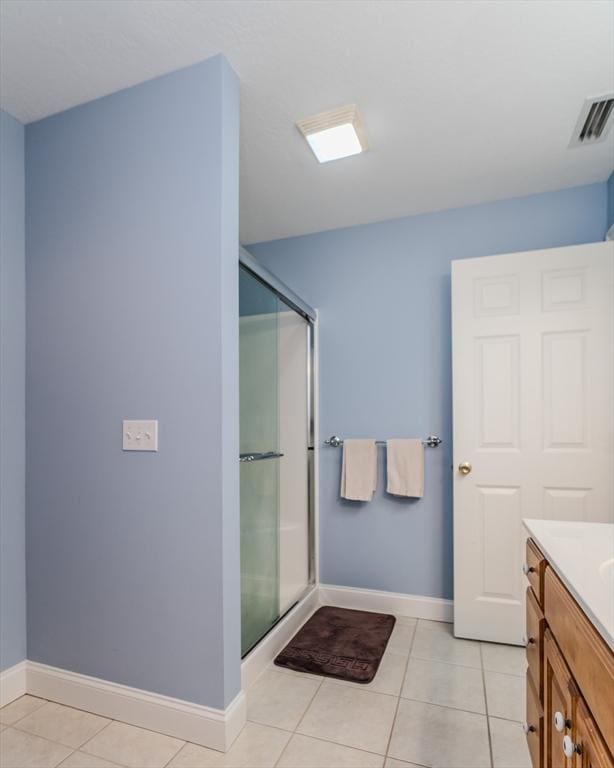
[(432, 441)]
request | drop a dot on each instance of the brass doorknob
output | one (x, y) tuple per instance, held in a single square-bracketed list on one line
[(464, 468)]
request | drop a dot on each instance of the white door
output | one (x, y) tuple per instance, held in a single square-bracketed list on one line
[(533, 357)]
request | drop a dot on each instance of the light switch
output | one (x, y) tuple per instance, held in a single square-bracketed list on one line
[(140, 435)]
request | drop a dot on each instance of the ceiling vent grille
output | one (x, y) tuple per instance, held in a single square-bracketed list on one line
[(594, 122)]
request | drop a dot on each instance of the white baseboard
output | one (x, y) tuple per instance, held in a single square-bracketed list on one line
[(264, 653), (13, 683), (214, 728), (434, 608)]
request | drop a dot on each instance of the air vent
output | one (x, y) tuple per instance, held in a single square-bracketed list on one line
[(594, 122)]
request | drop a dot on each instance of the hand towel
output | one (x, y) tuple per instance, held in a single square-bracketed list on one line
[(405, 460), (359, 470)]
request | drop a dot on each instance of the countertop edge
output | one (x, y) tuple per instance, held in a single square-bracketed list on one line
[(560, 572)]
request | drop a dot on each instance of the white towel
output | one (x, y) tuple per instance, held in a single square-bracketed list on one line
[(405, 467), (359, 470)]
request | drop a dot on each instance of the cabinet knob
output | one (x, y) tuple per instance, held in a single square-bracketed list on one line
[(560, 723), (527, 728), (569, 748), (527, 569)]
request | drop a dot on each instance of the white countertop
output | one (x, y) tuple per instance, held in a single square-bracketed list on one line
[(582, 554)]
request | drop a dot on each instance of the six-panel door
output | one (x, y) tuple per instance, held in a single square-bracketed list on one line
[(533, 345)]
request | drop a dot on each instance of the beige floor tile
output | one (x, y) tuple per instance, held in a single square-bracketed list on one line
[(401, 638), (437, 625), (280, 700), (19, 708), (68, 726), (448, 685), (509, 744), (257, 746), (350, 716), (389, 676), (81, 760), (509, 659), (305, 752), (22, 750), (392, 763), (133, 747), (407, 620), (434, 641), (505, 696), (440, 737)]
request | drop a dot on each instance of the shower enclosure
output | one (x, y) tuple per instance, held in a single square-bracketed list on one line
[(276, 444)]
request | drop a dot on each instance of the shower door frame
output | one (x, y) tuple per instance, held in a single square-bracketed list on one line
[(287, 295)]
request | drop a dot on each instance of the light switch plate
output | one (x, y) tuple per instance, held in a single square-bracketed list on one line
[(140, 435)]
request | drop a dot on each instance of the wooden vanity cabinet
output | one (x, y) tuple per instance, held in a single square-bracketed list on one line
[(570, 677)]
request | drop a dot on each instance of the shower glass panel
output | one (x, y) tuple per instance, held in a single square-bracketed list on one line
[(275, 525)]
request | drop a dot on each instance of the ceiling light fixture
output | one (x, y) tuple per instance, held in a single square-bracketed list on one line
[(334, 134)]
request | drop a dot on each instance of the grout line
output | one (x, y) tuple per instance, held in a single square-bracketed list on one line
[(59, 743), (448, 706), (396, 711), (67, 757), (302, 717), (505, 719), (138, 727), (31, 712), (44, 738), (300, 720), (486, 708), (506, 674), (174, 755), (450, 663), (336, 743), (85, 743)]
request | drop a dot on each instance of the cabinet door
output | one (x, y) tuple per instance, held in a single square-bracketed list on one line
[(560, 701), (590, 750)]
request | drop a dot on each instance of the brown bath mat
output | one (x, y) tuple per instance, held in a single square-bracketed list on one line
[(338, 642)]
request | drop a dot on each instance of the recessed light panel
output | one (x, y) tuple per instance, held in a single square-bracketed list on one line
[(334, 134)]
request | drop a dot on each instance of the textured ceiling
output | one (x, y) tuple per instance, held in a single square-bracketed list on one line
[(463, 102)]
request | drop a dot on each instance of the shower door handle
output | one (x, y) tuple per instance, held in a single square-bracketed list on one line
[(260, 456)]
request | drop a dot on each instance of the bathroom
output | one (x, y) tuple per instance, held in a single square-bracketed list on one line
[(200, 322)]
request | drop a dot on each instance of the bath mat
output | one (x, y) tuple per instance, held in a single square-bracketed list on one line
[(341, 643)]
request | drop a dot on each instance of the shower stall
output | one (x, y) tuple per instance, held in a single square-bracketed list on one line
[(276, 348)]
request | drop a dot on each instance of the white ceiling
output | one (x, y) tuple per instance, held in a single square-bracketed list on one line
[(463, 102)]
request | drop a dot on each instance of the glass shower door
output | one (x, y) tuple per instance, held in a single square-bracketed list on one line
[(260, 458), (274, 349)]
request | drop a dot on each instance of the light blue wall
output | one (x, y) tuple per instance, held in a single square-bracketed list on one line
[(132, 220), (12, 394), (383, 293), (611, 200)]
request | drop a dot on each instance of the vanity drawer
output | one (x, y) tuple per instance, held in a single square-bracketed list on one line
[(589, 658), (534, 725), (533, 568), (535, 642)]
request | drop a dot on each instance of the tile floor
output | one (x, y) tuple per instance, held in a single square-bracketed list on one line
[(436, 701)]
